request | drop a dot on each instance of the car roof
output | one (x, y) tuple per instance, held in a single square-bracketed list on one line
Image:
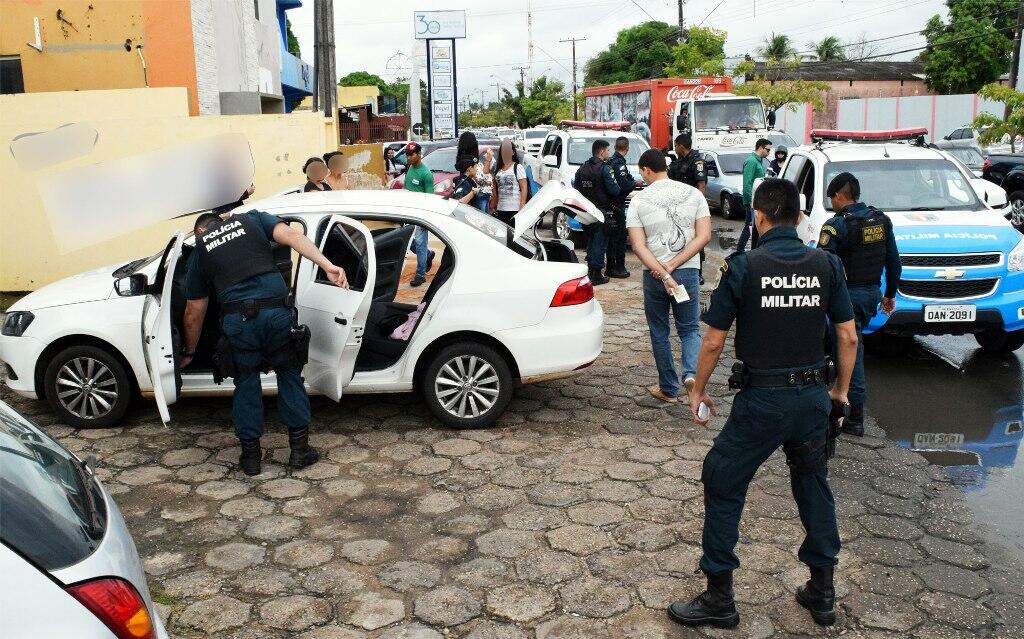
[(847, 152), (415, 204), (598, 133)]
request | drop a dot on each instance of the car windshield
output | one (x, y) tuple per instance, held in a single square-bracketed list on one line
[(909, 185), (533, 135), (441, 160), (581, 149), (732, 162), (53, 510), (968, 156), (781, 139), (711, 115)]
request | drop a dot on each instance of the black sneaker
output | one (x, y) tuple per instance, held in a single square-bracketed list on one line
[(417, 281), (618, 273)]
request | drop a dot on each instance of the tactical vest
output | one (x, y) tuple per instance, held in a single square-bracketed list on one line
[(681, 169), (234, 251), (781, 323), (590, 182), (863, 254)]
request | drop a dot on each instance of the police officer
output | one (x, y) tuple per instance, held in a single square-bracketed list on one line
[(233, 259), (780, 295), (595, 181), (775, 166), (617, 236), (863, 239), (688, 168)]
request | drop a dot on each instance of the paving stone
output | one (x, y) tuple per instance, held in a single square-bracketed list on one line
[(578, 539), (333, 632), (555, 494), (438, 503), (304, 553), (295, 613), (494, 498), (273, 527), (955, 611), (456, 447), (505, 542), (185, 457), (631, 471), (344, 488), (520, 602), (488, 629), (594, 598), (264, 580), (572, 628), (532, 517), (644, 536), (617, 491), (953, 580), (144, 475), (428, 465), (881, 612), (447, 606), (235, 556), (222, 489), (284, 488), (411, 631), (367, 551), (887, 552), (891, 527), (184, 513), (629, 567), (470, 524), (883, 580), (441, 549), (954, 553), (337, 578), (370, 611), (194, 583), (484, 572), (596, 513), (409, 575), (216, 614), (549, 568)]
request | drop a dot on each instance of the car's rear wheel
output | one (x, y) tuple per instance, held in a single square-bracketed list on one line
[(467, 385), (728, 207), (87, 387), (1016, 200), (999, 341)]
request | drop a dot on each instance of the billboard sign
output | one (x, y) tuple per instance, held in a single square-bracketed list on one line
[(439, 25), (443, 93)]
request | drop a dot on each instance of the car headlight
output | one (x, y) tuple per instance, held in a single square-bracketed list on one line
[(15, 323), (1015, 260)]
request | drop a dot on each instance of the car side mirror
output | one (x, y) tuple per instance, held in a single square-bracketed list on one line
[(130, 286), (946, 137), (551, 160), (682, 125), (712, 169)]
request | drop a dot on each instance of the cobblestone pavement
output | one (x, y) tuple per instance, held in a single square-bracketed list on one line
[(577, 517)]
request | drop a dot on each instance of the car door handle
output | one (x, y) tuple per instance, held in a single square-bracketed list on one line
[(341, 320)]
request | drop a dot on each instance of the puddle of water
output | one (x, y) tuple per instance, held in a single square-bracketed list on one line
[(962, 410)]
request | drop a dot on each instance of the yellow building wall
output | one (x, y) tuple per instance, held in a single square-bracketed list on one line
[(85, 47), (354, 96), (128, 122)]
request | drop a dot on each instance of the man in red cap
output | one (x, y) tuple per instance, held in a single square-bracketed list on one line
[(419, 178)]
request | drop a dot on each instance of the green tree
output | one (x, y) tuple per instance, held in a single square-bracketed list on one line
[(639, 52), (777, 46), (829, 49), (973, 48), (542, 105), (364, 79), (995, 127), (703, 53), (293, 42)]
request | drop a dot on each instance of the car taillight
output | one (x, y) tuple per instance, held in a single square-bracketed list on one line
[(118, 605), (986, 165), (573, 292)]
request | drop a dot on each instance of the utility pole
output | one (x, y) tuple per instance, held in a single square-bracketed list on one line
[(522, 77), (1015, 75), (323, 51), (497, 90), (529, 38), (682, 23), (575, 103)]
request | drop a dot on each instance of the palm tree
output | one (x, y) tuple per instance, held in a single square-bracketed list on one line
[(828, 50), (777, 46)]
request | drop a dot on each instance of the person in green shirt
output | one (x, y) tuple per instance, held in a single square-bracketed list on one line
[(753, 169), (419, 178)]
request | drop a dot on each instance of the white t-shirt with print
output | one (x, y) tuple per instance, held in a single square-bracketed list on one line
[(506, 183), (668, 212)]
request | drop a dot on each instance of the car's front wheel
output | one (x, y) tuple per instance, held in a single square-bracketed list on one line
[(1016, 200), (999, 341), (467, 385), (729, 207), (87, 387)]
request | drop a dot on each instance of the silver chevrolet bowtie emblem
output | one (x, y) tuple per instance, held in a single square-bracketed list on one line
[(950, 274)]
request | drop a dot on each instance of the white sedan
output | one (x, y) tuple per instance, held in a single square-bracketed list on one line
[(502, 306)]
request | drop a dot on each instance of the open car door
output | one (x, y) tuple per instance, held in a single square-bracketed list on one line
[(336, 317), (158, 333), (552, 196)]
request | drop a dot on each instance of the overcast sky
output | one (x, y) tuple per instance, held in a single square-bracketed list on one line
[(369, 33)]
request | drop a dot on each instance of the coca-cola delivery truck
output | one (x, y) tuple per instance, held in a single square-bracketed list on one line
[(659, 110)]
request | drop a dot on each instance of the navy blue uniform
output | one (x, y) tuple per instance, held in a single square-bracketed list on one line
[(256, 339), (865, 294), (463, 186), (764, 419), (602, 192), (617, 238)]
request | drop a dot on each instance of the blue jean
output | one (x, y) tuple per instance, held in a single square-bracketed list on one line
[(761, 421), (657, 304), (865, 301), (746, 232), (251, 342), (597, 244), (483, 202), (422, 251)]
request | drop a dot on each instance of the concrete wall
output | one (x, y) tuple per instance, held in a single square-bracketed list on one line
[(248, 54), (940, 114), (205, 55), (128, 122), (795, 121), (842, 90), (354, 96)]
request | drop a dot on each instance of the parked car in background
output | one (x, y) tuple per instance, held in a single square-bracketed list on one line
[(534, 139), (725, 182), (970, 156), (68, 566), (441, 162), (998, 166), (1013, 184), (968, 136), (781, 138)]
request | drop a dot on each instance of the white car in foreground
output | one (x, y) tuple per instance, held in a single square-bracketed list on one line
[(68, 567), (502, 306)]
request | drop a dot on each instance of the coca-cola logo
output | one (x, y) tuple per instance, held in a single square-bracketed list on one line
[(677, 94)]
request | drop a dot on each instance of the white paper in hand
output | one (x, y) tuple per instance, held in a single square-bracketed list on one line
[(680, 294), (703, 412)]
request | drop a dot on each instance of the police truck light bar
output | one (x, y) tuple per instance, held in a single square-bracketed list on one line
[(611, 126), (891, 135)]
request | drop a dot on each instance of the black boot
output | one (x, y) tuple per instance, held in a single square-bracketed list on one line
[(819, 596), (617, 269), (302, 454), (596, 278), (715, 606), (251, 456), (854, 424)]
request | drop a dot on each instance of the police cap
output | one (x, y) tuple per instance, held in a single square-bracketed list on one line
[(840, 181)]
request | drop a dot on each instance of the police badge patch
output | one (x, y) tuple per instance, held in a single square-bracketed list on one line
[(827, 233), (721, 273), (699, 165)]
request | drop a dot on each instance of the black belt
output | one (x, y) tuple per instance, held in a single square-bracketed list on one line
[(252, 308), (805, 377)]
